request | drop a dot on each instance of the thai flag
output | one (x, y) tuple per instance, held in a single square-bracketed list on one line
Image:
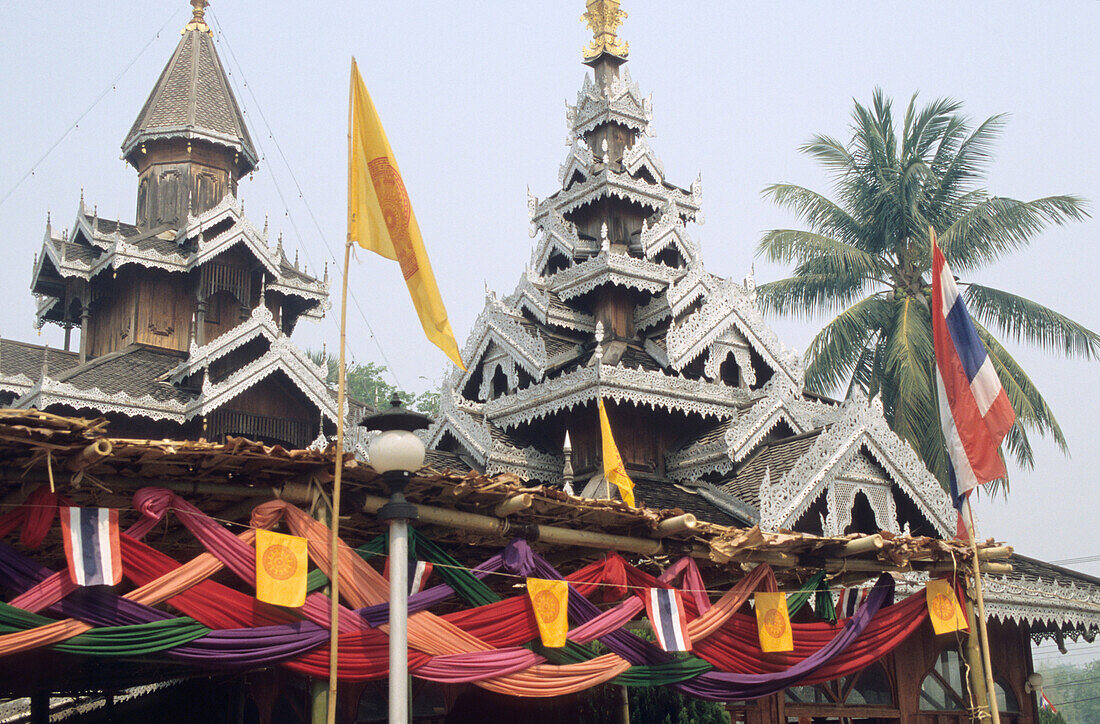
[(849, 602), (665, 609), (91, 543), (975, 413), (1045, 703), (419, 571)]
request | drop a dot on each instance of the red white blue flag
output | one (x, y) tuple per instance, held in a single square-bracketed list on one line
[(850, 600), (665, 609), (975, 413), (1045, 703), (91, 543), (419, 571)]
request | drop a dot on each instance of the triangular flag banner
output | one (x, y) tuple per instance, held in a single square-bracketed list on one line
[(90, 536), (773, 623), (419, 571), (613, 468), (381, 219), (943, 607), (550, 601), (1045, 703), (665, 609), (281, 563)]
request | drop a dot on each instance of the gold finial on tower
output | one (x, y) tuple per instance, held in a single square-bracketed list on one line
[(604, 18), (198, 21)]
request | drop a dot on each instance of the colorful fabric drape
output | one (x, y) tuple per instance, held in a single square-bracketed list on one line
[(494, 644)]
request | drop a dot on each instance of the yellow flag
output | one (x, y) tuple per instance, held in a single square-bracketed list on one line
[(281, 562), (613, 468), (380, 216), (550, 601), (943, 607), (773, 622)]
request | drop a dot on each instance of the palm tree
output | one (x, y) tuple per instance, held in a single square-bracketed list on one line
[(867, 259)]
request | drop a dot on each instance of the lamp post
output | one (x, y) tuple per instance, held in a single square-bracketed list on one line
[(396, 454)]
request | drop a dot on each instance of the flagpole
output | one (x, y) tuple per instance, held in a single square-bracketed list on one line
[(334, 585), (991, 691)]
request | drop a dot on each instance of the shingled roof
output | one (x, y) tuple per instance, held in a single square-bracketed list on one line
[(192, 100)]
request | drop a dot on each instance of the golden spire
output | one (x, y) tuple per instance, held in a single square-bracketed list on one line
[(198, 22), (604, 18)]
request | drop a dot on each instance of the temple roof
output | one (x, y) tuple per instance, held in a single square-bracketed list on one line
[(192, 100)]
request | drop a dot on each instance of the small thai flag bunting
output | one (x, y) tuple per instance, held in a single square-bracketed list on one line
[(419, 571), (91, 543), (975, 413), (665, 609), (1045, 703), (849, 602)]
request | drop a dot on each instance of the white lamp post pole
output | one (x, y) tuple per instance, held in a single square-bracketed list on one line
[(396, 454)]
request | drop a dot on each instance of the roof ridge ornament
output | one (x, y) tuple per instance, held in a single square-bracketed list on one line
[(603, 18), (198, 19)]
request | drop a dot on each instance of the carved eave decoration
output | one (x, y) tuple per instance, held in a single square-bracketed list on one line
[(528, 463), (731, 307), (531, 295), (619, 384), (642, 156), (619, 102), (669, 230), (20, 384), (556, 235), (454, 417), (47, 392), (499, 325), (611, 268), (608, 183), (579, 161), (1058, 606), (860, 426), (742, 435)]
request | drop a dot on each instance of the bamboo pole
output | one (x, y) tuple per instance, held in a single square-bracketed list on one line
[(334, 579), (991, 691), (976, 676)]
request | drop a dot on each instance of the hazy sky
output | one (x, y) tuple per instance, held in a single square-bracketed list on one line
[(471, 96)]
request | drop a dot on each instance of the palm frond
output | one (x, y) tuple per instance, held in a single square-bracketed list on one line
[(808, 295), (820, 254), (834, 351), (822, 215), (997, 225), (1023, 319)]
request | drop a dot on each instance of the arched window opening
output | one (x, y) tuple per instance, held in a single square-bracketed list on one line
[(499, 385), (944, 688), (1006, 699), (729, 372), (870, 687), (863, 516)]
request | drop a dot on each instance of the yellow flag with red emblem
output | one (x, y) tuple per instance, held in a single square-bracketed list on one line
[(381, 219), (281, 563), (613, 468), (550, 602), (773, 622), (943, 607)]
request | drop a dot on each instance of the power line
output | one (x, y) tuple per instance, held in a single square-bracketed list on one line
[(87, 110), (301, 195), (1075, 701), (1070, 683), (1082, 559)]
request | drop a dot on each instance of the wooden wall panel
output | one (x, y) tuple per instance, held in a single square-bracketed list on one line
[(111, 318), (164, 310)]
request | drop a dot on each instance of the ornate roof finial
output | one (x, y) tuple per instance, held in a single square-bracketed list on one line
[(603, 18), (263, 290), (198, 21), (599, 342), (567, 469)]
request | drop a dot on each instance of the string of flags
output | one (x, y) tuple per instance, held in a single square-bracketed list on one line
[(91, 541)]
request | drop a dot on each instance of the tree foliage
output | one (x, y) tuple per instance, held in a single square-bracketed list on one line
[(865, 259), (367, 383), (1074, 690)]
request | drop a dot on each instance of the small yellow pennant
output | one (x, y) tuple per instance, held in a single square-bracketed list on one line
[(943, 607), (281, 563), (550, 601), (773, 622)]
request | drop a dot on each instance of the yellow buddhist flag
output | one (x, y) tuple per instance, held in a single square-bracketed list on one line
[(380, 216), (281, 562), (943, 607), (613, 468), (550, 601), (773, 622)]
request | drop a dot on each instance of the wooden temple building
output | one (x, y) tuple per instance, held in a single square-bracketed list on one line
[(184, 350), (185, 315)]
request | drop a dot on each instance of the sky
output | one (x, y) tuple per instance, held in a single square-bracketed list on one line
[(472, 98)]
